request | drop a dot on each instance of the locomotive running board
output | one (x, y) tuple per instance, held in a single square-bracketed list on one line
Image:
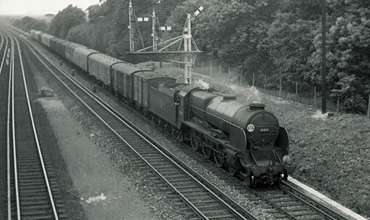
[(199, 128)]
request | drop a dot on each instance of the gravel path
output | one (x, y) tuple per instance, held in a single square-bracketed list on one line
[(104, 192)]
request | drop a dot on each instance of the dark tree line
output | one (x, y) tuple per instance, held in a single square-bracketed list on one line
[(277, 38), (28, 23)]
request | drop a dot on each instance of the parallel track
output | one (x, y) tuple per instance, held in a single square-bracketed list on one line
[(291, 204), (4, 83), (316, 208), (203, 202), (32, 188)]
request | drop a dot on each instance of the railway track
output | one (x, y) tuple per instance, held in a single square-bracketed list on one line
[(281, 202), (286, 202), (324, 212), (291, 206), (32, 188), (201, 201), (4, 81)]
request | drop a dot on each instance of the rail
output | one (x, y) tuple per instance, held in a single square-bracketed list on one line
[(26, 165)]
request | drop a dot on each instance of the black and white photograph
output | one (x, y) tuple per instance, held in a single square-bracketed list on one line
[(184, 109)]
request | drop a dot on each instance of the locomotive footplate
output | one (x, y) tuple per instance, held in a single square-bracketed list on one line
[(265, 174), (263, 170)]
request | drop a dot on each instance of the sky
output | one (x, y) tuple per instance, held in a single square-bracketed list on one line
[(40, 7)]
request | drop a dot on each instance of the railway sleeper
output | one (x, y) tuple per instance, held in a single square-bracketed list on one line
[(213, 206), (39, 197), (198, 196), (187, 187), (37, 184), (40, 203), (190, 190)]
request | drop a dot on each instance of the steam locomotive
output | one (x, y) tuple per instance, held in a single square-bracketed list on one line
[(244, 139)]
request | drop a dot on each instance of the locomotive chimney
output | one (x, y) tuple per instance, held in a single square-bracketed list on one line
[(256, 106)]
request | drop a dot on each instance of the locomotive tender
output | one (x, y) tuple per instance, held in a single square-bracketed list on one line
[(245, 139)]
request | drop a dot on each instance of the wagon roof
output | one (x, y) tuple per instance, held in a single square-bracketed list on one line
[(153, 75), (102, 58), (36, 32), (86, 51), (127, 68), (47, 36), (57, 39), (71, 44)]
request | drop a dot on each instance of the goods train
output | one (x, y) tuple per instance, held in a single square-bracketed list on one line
[(244, 139)]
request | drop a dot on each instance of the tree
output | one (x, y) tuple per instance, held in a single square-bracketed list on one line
[(81, 34), (65, 20), (290, 44), (230, 31), (349, 41), (28, 23)]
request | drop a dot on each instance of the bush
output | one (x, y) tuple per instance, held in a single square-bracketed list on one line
[(354, 104)]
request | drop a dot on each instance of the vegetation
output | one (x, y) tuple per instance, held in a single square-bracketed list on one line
[(276, 38), (65, 20), (28, 23)]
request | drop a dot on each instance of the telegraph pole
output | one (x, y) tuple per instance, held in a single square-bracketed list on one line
[(323, 55), (154, 32), (187, 48), (131, 27)]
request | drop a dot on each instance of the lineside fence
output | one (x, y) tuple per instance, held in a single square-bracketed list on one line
[(296, 91)]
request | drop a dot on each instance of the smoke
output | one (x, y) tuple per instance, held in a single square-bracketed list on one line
[(254, 95), (245, 95), (319, 115), (249, 94), (201, 84)]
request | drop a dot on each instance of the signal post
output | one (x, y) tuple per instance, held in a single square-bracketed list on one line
[(188, 55)]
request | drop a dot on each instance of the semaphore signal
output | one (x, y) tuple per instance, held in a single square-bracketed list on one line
[(164, 46), (141, 19)]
